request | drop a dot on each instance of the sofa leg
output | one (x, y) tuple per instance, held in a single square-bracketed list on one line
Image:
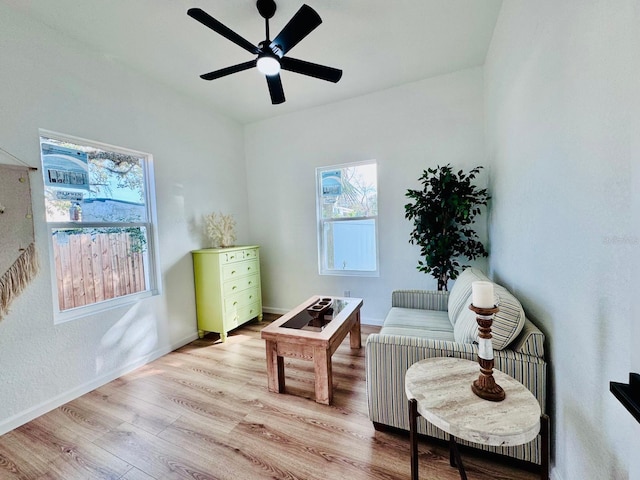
[(545, 435), (380, 427)]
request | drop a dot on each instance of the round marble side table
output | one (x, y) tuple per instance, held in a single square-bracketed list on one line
[(439, 389)]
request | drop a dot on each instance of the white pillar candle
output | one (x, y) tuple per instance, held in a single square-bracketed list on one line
[(482, 294)]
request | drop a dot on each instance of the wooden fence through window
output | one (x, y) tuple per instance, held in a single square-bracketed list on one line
[(93, 268)]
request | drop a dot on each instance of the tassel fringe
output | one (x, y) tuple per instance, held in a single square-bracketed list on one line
[(16, 279)]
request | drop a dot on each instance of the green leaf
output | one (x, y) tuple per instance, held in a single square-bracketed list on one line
[(441, 213)]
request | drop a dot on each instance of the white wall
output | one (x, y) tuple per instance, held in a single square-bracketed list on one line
[(406, 129), (562, 125), (47, 81)]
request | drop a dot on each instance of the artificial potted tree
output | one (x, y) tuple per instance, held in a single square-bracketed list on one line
[(443, 213)]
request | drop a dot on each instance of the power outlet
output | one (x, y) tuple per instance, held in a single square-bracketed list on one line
[(347, 293)]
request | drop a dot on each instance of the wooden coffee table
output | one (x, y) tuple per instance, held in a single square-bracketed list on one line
[(306, 342)]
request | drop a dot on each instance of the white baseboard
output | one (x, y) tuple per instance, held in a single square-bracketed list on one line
[(34, 412), (277, 311), (375, 322), (363, 320)]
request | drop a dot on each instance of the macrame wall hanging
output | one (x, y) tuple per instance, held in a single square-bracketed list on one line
[(18, 259)]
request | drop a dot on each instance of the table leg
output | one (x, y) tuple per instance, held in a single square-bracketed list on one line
[(355, 340), (544, 450), (323, 373), (413, 437), (454, 457), (275, 368)]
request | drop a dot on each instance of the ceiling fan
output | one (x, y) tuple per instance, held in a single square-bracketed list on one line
[(271, 53)]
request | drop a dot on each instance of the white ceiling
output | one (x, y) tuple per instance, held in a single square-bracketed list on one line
[(378, 44)]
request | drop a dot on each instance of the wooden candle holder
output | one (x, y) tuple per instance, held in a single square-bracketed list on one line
[(319, 308), (485, 386)]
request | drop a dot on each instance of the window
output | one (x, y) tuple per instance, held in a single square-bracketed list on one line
[(99, 216), (347, 209)]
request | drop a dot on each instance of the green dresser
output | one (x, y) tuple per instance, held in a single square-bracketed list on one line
[(227, 283)]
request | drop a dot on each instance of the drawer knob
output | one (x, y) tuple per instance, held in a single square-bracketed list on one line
[(233, 272), (235, 303)]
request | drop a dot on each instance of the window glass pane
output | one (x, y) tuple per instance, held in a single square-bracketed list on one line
[(99, 210), (350, 245), (87, 184), (347, 207), (349, 192), (98, 264)]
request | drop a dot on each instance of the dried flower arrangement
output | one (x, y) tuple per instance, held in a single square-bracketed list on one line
[(221, 229)]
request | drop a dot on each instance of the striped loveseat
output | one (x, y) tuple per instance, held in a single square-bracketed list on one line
[(423, 324)]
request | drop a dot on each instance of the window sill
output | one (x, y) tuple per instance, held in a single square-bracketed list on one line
[(349, 273), (98, 308)]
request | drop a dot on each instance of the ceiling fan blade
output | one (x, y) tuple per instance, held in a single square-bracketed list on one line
[(322, 72), (229, 70), (301, 24), (207, 20), (275, 89)]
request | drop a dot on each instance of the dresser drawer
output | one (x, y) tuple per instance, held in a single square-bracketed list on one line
[(233, 256), (235, 270), (250, 311), (249, 254), (242, 315), (238, 255), (241, 283), (239, 300)]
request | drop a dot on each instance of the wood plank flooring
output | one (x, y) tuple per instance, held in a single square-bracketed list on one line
[(204, 412)]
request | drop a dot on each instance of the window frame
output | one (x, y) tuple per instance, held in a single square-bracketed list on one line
[(320, 224), (151, 264)]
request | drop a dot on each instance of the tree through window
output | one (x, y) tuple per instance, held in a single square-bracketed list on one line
[(347, 204), (98, 211)]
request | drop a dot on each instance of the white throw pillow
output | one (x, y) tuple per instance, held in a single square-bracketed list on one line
[(460, 295)]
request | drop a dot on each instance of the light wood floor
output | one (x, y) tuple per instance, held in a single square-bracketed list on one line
[(204, 412)]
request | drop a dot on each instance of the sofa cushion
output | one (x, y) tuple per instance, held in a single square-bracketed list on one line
[(530, 341), (412, 322), (460, 296), (507, 323)]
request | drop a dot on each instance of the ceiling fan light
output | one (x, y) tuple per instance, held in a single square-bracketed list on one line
[(268, 65)]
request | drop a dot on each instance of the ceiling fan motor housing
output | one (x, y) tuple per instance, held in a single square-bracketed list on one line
[(269, 48), (266, 8)]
